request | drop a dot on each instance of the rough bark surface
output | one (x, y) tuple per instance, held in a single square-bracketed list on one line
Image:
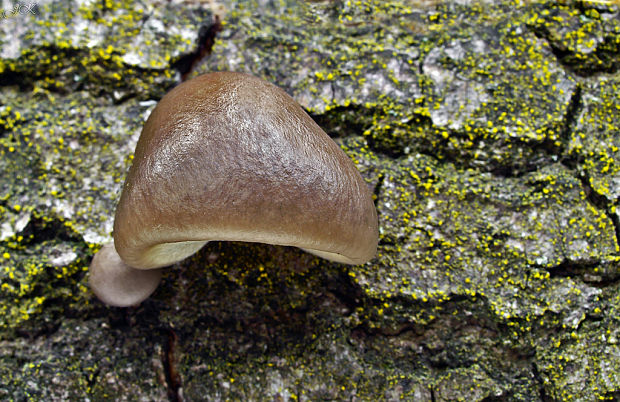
[(488, 131)]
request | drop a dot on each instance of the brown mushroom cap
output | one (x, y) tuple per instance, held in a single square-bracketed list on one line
[(228, 156)]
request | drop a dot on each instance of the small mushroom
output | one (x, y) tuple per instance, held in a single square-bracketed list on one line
[(118, 284), (228, 156)]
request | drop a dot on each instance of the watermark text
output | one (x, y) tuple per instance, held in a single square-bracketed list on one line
[(19, 9)]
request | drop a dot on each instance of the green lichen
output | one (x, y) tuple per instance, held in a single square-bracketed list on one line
[(585, 36), (498, 261), (595, 141), (41, 272)]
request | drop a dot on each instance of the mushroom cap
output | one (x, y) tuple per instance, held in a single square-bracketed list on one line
[(228, 156), (118, 284)]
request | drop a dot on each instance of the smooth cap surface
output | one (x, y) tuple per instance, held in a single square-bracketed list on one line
[(228, 156)]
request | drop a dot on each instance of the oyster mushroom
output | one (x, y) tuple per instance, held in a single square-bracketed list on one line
[(228, 156)]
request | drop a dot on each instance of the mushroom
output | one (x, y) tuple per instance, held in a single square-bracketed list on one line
[(228, 156)]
